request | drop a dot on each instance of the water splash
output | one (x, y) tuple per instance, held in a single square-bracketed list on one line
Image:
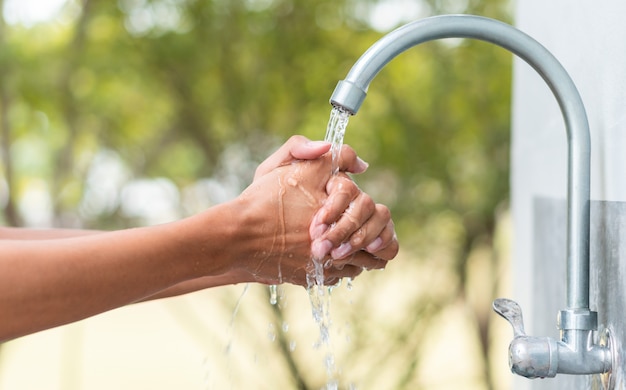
[(229, 345), (232, 319), (349, 284)]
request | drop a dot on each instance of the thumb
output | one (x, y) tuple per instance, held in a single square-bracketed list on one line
[(296, 148)]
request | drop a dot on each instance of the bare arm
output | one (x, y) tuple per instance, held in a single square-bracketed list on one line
[(11, 233), (50, 282), (53, 277), (24, 234)]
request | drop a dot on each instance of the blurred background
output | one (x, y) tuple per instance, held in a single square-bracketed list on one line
[(125, 113)]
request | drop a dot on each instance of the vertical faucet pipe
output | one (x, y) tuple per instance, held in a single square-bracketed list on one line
[(350, 93)]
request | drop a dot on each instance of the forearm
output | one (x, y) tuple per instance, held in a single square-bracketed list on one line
[(198, 284), (11, 233), (185, 287), (46, 283)]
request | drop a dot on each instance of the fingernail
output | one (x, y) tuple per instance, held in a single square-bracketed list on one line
[(320, 249), (374, 245), (316, 144), (341, 251), (361, 165)]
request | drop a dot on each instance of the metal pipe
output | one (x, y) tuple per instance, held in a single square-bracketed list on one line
[(529, 356), (350, 93)]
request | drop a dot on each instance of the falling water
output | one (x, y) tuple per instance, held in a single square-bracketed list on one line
[(334, 133), (273, 294), (319, 294)]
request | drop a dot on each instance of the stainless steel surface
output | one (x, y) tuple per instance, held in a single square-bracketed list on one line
[(351, 92), (532, 357)]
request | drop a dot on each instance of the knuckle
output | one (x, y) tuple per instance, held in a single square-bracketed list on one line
[(347, 151), (367, 203), (358, 237), (341, 183), (294, 139), (343, 230), (347, 182), (383, 211)]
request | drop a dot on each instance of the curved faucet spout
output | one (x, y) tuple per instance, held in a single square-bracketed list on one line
[(350, 93), (577, 321)]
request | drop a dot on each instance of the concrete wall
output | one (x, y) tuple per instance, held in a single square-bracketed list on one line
[(589, 38)]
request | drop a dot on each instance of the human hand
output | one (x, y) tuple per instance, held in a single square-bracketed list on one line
[(359, 233), (349, 220), (363, 227)]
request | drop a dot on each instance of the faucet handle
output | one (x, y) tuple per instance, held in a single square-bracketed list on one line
[(512, 312)]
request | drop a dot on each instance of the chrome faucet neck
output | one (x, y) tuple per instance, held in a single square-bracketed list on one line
[(576, 322)]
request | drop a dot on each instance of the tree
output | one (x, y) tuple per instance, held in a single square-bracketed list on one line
[(190, 95)]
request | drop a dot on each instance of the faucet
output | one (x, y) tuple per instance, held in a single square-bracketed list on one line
[(532, 357)]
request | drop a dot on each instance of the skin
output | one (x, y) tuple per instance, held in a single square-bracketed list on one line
[(267, 235)]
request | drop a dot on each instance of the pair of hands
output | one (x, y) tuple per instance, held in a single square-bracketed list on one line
[(295, 210)]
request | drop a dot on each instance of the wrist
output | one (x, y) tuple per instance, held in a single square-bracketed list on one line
[(215, 241)]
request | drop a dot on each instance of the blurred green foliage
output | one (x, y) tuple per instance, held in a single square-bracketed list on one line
[(201, 91)]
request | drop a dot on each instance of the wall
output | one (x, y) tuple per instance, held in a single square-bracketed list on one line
[(589, 38)]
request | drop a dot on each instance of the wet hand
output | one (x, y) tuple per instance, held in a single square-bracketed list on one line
[(301, 148), (350, 223), (345, 223), (357, 223), (275, 213)]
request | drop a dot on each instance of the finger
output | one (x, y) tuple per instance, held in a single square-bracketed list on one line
[(350, 162), (386, 245), (372, 229), (334, 275), (360, 259), (296, 148), (342, 192), (358, 219)]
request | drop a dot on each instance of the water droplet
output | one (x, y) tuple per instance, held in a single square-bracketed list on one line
[(330, 361), (332, 385), (271, 333), (273, 294)]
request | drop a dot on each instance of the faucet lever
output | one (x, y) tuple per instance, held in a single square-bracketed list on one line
[(531, 357), (512, 312)]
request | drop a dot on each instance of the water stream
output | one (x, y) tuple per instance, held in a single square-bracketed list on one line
[(335, 132), (320, 294)]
